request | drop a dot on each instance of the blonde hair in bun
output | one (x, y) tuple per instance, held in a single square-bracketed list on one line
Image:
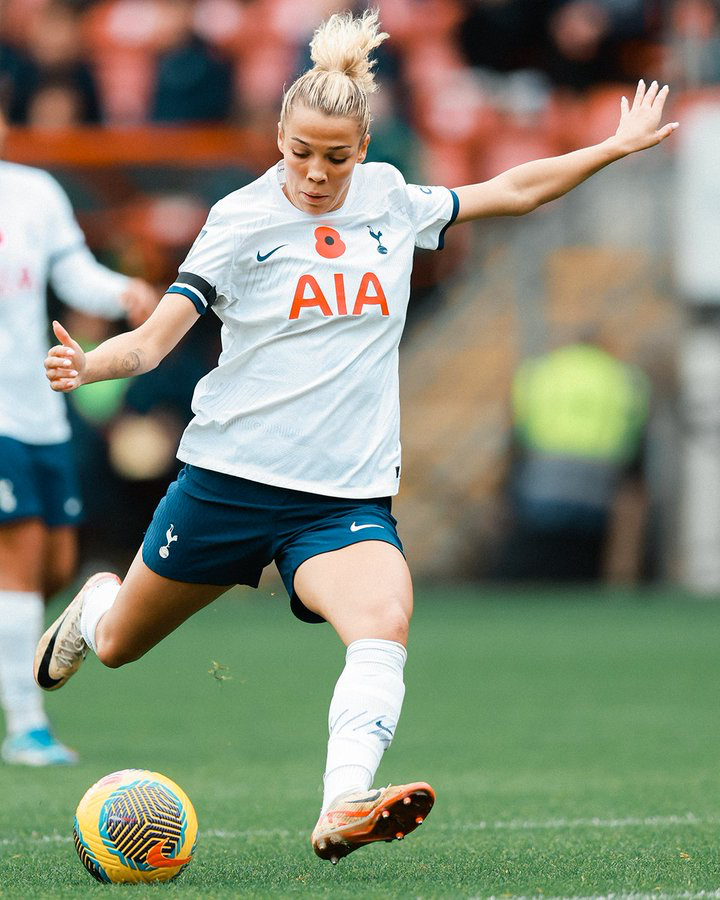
[(342, 75)]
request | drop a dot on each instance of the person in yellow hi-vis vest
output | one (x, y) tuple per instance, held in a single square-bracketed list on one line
[(579, 420)]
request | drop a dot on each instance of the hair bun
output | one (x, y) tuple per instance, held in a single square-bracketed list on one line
[(344, 43)]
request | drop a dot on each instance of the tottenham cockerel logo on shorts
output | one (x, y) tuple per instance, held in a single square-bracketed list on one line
[(164, 551)]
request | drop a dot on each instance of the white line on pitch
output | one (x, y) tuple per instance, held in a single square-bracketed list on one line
[(680, 895), (510, 825), (594, 822)]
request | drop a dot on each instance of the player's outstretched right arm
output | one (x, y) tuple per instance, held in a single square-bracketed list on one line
[(67, 366)]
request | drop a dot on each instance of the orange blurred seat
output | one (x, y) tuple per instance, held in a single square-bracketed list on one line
[(120, 36)]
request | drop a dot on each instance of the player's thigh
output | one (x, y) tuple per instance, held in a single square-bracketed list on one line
[(363, 590), (22, 553), (148, 607), (60, 558)]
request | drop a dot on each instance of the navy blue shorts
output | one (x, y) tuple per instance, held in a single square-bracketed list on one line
[(212, 528), (38, 481)]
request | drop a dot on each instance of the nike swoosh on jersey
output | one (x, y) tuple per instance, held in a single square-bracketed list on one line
[(355, 527), (262, 257)]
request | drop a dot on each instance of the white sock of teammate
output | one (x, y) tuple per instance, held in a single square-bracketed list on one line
[(21, 623), (364, 712), (97, 602)]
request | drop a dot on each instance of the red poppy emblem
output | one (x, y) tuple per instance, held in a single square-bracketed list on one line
[(328, 242)]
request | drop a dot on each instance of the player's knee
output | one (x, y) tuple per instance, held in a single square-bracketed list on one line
[(392, 622), (115, 653)]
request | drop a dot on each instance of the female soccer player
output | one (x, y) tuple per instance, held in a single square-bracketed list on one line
[(40, 242), (293, 453)]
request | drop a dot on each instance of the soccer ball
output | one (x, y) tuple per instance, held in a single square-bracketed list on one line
[(135, 826)]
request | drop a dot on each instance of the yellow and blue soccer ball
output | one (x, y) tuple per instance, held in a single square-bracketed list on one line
[(135, 826)]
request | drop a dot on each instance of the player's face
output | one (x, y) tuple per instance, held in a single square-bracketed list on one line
[(320, 154)]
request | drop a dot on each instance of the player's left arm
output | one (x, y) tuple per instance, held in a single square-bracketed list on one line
[(525, 187)]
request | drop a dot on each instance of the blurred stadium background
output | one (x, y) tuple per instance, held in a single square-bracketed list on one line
[(148, 111)]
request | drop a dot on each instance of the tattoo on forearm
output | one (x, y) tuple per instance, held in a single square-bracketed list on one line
[(128, 364), (131, 361)]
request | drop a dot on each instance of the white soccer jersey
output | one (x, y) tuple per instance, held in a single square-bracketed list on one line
[(305, 394), (40, 241)]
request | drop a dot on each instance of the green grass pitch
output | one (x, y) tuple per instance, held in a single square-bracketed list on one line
[(572, 737)]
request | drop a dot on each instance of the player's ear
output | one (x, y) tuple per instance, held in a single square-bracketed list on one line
[(280, 141), (362, 152)]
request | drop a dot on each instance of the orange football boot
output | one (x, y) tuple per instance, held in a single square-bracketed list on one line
[(356, 818)]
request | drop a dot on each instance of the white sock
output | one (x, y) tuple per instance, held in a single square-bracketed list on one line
[(21, 624), (364, 712), (97, 602)]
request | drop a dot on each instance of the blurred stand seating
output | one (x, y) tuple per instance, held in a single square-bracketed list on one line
[(159, 58)]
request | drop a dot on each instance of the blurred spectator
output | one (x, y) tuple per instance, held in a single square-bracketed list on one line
[(585, 39), (51, 69), (579, 419), (696, 39), (577, 43), (393, 137), (16, 72), (55, 103), (192, 82), (503, 34)]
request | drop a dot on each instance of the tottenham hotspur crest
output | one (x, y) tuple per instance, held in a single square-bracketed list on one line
[(165, 550), (381, 248)]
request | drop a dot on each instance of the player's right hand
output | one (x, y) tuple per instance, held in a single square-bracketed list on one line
[(65, 362)]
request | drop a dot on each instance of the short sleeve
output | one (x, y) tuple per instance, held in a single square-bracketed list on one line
[(432, 210), (204, 276)]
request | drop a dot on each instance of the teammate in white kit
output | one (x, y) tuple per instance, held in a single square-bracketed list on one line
[(40, 242), (294, 450)]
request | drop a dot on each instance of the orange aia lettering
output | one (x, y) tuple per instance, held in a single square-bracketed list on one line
[(316, 298), (370, 293), (377, 298), (340, 295)]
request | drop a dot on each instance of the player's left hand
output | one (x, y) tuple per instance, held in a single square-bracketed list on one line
[(139, 300), (639, 126)]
